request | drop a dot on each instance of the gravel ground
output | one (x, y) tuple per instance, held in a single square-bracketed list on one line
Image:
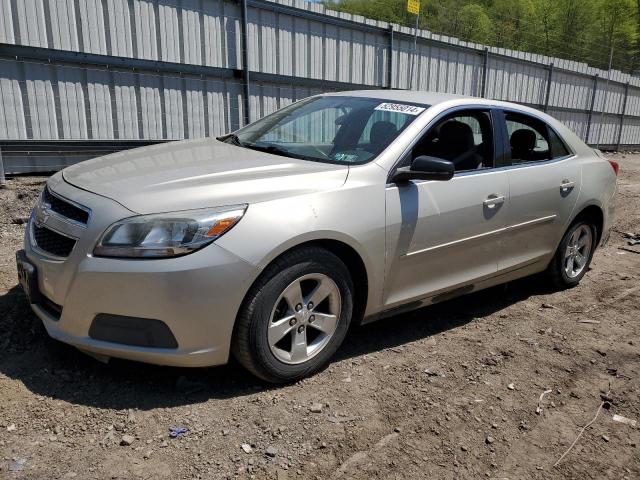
[(449, 391)]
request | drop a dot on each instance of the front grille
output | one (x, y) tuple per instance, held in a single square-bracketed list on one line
[(52, 242), (65, 208)]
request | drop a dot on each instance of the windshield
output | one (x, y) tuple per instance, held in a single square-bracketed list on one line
[(332, 129)]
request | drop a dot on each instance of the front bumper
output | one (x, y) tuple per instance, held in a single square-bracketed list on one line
[(196, 296)]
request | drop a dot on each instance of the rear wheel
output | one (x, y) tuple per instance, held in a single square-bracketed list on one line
[(574, 254), (295, 317)]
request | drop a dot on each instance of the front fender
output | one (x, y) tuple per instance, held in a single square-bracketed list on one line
[(352, 216)]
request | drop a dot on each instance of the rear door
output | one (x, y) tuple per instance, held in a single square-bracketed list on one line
[(444, 235), (544, 183)]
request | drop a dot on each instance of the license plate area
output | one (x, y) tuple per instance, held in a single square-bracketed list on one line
[(28, 277)]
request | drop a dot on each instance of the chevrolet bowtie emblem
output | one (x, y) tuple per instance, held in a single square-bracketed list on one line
[(42, 215)]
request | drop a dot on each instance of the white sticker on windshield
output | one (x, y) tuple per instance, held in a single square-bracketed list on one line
[(400, 108)]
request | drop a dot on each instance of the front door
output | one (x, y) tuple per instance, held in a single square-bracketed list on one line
[(445, 235)]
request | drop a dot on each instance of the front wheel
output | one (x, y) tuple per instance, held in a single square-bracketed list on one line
[(295, 317), (574, 254)]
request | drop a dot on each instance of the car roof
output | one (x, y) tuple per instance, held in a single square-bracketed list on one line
[(414, 96), (434, 98)]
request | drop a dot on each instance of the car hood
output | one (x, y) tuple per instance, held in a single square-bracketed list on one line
[(200, 173)]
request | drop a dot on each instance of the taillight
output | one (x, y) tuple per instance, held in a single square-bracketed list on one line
[(615, 166)]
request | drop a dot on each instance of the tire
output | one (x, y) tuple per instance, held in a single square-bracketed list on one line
[(563, 274), (311, 335)]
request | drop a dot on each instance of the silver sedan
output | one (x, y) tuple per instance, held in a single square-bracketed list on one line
[(338, 209)]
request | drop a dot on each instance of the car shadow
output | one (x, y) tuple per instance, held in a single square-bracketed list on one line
[(52, 369)]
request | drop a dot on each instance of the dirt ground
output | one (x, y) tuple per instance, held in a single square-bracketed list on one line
[(449, 391)]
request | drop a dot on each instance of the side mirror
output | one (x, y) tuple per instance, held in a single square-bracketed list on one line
[(426, 168)]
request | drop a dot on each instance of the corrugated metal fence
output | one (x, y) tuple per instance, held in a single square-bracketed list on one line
[(82, 77)]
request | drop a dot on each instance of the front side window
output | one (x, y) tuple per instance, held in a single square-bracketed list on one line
[(332, 129), (465, 138)]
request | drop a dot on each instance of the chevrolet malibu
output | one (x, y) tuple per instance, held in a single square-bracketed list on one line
[(339, 209)]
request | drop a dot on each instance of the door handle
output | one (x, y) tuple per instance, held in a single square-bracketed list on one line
[(493, 200), (566, 185)]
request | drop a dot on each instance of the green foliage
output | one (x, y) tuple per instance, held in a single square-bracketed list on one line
[(476, 25), (581, 30)]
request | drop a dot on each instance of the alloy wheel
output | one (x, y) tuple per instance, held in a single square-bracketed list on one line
[(304, 318), (578, 251)]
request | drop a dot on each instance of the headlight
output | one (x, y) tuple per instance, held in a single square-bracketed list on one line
[(167, 234)]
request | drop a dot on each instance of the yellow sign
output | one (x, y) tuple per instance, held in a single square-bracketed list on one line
[(413, 6)]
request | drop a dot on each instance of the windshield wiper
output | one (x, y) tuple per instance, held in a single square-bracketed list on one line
[(232, 138), (275, 149)]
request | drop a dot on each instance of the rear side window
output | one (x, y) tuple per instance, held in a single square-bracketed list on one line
[(528, 138), (558, 148)]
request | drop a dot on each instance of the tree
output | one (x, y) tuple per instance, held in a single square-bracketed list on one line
[(546, 15), (618, 30), (636, 65), (574, 19), (514, 20), (581, 30), (476, 25)]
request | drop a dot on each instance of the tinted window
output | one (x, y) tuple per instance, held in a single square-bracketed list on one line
[(528, 138), (464, 138), (558, 148)]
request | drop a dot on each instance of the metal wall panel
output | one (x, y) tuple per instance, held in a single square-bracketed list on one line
[(41, 111), (575, 121), (12, 119), (170, 33), (604, 131), (72, 103), (100, 105), (126, 105), (192, 32), (76, 101), (6, 22), (630, 132), (120, 34), (30, 28), (516, 81), (151, 106), (570, 90), (64, 34), (145, 27), (91, 25), (633, 102), (173, 108), (609, 98)]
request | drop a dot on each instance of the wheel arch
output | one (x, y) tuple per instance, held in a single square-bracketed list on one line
[(595, 213), (357, 269), (352, 259)]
